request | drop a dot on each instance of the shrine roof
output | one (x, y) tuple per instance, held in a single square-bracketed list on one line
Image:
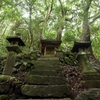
[(50, 42)]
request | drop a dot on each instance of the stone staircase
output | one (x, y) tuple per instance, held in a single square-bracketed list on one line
[(46, 80)]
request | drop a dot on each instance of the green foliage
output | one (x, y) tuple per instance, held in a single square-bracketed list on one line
[(16, 17), (3, 44), (3, 97), (25, 63), (70, 59)]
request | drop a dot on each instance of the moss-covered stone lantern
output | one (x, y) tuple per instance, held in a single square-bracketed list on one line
[(91, 78), (82, 55), (13, 49)]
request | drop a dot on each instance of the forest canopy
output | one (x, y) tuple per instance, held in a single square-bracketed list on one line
[(66, 20)]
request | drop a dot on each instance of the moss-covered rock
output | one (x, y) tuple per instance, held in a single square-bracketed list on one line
[(91, 80), (92, 83), (5, 82), (91, 94), (46, 72), (4, 97), (6, 78), (48, 99), (45, 90), (91, 76), (47, 80), (47, 65)]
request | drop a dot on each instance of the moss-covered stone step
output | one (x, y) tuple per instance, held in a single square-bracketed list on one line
[(47, 99), (46, 72), (92, 83), (91, 79), (48, 58), (91, 76), (45, 80), (45, 90), (3, 97), (47, 65)]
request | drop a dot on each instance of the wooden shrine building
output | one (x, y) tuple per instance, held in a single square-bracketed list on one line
[(48, 47)]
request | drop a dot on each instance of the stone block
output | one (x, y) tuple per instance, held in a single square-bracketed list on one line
[(91, 80), (91, 76), (45, 80), (92, 83), (47, 65), (43, 91), (4, 97), (52, 58), (46, 72), (47, 99), (5, 81), (91, 94)]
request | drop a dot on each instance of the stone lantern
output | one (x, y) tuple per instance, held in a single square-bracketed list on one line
[(13, 49), (82, 55), (90, 77)]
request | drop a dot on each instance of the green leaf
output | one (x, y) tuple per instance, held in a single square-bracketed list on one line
[(25, 63)]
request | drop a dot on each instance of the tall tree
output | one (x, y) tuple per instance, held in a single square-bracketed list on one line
[(85, 26)]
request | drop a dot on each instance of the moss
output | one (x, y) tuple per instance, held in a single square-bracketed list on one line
[(91, 76), (47, 65), (3, 97), (46, 72), (45, 90), (6, 78), (5, 83), (84, 63), (90, 94), (50, 80), (92, 83)]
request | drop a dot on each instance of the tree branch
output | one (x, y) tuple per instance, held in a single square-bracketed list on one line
[(95, 18), (47, 16)]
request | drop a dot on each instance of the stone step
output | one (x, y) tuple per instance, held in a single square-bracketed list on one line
[(47, 99), (45, 80), (49, 58), (47, 65), (42, 91), (46, 72), (91, 76)]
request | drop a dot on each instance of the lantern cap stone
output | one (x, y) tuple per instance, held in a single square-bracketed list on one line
[(14, 39), (80, 45)]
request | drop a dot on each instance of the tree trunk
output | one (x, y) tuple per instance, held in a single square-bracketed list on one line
[(61, 27), (86, 29), (85, 26), (30, 27), (47, 16)]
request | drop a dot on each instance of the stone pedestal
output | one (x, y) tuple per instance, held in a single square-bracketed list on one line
[(91, 79), (9, 63), (84, 63)]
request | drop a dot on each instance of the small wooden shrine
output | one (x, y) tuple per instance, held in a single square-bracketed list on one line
[(48, 47)]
